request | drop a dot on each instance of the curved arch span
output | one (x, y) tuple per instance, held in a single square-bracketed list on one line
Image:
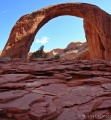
[(97, 26)]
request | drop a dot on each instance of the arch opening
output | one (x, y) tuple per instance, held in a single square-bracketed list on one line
[(59, 32)]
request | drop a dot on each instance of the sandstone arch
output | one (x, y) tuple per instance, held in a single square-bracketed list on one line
[(97, 25)]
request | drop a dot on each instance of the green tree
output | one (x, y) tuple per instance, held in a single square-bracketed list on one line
[(39, 53)]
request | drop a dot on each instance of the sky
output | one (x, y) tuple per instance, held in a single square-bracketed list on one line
[(57, 33)]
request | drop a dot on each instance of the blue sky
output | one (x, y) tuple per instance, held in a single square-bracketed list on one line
[(57, 33)]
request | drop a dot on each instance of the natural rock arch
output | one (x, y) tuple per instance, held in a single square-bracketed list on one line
[(97, 25)]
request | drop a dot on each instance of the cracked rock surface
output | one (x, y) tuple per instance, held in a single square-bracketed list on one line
[(55, 90)]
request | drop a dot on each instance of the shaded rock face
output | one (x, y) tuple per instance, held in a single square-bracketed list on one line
[(97, 25), (61, 90)]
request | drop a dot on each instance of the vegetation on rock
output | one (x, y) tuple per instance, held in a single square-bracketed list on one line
[(39, 53), (57, 57)]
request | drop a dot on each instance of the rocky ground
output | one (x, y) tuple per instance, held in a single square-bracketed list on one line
[(55, 90)]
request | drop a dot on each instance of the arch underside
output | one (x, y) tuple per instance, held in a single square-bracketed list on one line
[(97, 26)]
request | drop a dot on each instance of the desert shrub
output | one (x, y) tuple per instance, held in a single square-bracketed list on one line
[(65, 50), (34, 54), (39, 53), (57, 57), (45, 55)]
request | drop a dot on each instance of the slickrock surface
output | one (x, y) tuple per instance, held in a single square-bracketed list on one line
[(97, 26), (55, 90)]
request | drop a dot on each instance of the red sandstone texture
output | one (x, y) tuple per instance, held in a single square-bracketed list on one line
[(97, 26), (55, 90)]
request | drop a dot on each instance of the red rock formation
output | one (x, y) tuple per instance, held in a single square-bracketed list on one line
[(97, 24), (75, 46), (53, 52), (0, 53), (77, 51), (61, 90), (83, 55)]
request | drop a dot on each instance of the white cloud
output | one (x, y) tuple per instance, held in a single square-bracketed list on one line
[(43, 40), (4, 11)]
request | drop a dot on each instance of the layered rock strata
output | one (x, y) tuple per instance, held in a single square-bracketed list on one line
[(49, 90)]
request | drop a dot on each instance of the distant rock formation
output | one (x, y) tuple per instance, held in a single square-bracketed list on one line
[(76, 46), (55, 51), (74, 50), (97, 26), (83, 55)]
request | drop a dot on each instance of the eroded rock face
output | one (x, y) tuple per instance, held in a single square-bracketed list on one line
[(61, 90), (83, 55), (97, 25), (76, 46), (72, 51)]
